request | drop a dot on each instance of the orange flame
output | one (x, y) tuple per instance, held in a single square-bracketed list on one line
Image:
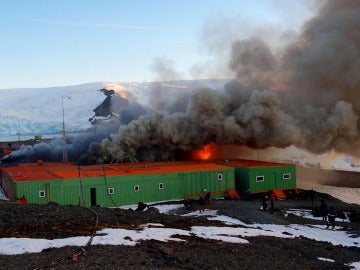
[(117, 88), (204, 153)]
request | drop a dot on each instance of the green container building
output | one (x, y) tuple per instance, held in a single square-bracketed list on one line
[(115, 184), (261, 176)]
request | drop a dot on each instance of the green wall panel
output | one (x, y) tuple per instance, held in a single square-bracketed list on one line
[(273, 178), (127, 189)]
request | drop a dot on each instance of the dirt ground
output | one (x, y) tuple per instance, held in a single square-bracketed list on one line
[(54, 221)]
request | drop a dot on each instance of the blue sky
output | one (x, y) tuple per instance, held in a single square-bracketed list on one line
[(57, 43)]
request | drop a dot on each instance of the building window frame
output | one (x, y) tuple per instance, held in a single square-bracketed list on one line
[(287, 176), (161, 186), (42, 193), (260, 178), (136, 188), (220, 177), (111, 191)]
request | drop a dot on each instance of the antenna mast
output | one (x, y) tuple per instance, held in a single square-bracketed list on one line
[(64, 133)]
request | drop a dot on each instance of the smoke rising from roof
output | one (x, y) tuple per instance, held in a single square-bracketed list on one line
[(164, 68), (303, 94), (258, 121)]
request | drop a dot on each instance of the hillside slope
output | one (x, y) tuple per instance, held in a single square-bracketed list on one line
[(54, 221)]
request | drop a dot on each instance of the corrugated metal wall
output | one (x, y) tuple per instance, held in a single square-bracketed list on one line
[(260, 179), (125, 190), (60, 191), (286, 177), (130, 189), (210, 181)]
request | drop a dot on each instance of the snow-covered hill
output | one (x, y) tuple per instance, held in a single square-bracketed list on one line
[(30, 111), (39, 111)]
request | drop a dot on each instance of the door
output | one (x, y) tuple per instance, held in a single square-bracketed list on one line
[(47, 192), (93, 196)]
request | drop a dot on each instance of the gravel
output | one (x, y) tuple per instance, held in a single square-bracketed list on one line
[(53, 221)]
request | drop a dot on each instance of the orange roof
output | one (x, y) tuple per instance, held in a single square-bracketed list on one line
[(30, 172), (253, 163), (52, 171)]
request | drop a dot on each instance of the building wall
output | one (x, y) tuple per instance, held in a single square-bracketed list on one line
[(260, 179), (210, 181), (42, 192), (131, 189), (286, 182), (125, 189)]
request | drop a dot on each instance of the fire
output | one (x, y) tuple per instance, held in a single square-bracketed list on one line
[(204, 153), (117, 88)]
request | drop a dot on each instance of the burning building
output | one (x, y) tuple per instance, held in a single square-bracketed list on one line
[(301, 94), (126, 184), (114, 185)]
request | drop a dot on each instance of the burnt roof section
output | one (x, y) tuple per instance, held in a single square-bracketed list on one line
[(104, 109)]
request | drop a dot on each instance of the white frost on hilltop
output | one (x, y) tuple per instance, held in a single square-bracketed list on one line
[(348, 195), (328, 161), (39, 110), (31, 111)]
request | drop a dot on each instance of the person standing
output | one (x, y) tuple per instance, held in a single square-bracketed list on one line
[(201, 202), (264, 203), (272, 198), (331, 218), (248, 194), (22, 200), (323, 210)]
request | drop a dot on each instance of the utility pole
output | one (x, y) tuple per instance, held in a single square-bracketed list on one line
[(19, 131), (63, 132)]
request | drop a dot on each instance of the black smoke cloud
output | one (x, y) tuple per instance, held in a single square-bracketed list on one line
[(258, 121), (317, 77), (76, 146), (303, 94), (80, 147)]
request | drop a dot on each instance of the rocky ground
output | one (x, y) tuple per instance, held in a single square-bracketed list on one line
[(54, 221)]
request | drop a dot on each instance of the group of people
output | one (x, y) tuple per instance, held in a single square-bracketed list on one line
[(268, 197), (204, 199), (328, 215)]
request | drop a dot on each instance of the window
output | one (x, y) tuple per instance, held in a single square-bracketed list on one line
[(42, 193), (260, 178), (287, 176), (111, 191), (220, 177), (161, 185), (137, 188)]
